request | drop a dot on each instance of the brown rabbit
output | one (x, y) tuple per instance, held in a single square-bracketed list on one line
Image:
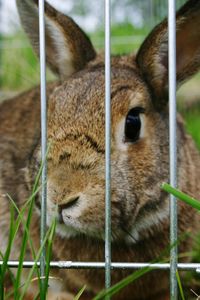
[(140, 160)]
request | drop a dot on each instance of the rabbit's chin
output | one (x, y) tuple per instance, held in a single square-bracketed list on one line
[(70, 228)]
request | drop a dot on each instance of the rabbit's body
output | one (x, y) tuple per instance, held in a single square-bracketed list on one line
[(75, 187)]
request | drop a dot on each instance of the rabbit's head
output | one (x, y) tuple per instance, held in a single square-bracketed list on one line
[(139, 138)]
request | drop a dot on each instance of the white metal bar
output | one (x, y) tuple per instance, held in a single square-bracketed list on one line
[(101, 265), (173, 147), (107, 148), (43, 132), (1, 45), (151, 13)]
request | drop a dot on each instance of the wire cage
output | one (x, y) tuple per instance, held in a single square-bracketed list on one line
[(155, 10), (0, 43)]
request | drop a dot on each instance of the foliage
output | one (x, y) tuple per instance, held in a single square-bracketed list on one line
[(192, 119), (23, 218), (182, 196)]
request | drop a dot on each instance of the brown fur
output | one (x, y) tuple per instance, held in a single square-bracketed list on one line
[(75, 187)]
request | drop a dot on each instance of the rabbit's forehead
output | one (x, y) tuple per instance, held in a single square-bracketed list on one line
[(77, 110), (78, 106), (83, 96)]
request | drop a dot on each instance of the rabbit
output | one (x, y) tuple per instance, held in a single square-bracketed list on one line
[(76, 157)]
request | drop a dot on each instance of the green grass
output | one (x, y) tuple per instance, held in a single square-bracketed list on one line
[(192, 118), (20, 66), (180, 286), (23, 219), (113, 290), (191, 279), (124, 38), (182, 196)]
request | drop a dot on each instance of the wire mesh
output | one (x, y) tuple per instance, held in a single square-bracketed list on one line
[(43, 136), (108, 147), (1, 45), (172, 143)]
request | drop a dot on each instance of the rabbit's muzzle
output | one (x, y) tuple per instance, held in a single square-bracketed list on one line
[(70, 203)]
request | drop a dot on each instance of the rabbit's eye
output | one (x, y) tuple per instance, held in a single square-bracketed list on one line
[(133, 125)]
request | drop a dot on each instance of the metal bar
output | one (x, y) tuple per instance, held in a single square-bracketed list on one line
[(107, 147), (43, 138), (151, 12), (1, 46), (101, 265), (173, 147)]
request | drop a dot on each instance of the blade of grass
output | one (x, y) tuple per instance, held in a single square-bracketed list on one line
[(12, 236), (20, 219), (49, 255), (123, 283), (49, 232), (180, 286), (11, 276), (20, 213), (131, 278), (182, 196), (137, 274), (1, 284), (20, 216), (43, 284), (37, 297), (23, 251), (26, 235), (77, 297), (7, 253)]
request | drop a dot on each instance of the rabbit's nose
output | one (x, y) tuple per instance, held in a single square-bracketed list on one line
[(69, 203)]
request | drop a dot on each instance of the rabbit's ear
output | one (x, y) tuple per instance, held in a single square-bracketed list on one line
[(68, 49), (152, 57)]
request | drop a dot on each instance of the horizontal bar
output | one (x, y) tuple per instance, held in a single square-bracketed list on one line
[(101, 265)]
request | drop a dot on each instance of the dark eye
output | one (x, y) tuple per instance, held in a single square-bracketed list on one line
[(133, 125)]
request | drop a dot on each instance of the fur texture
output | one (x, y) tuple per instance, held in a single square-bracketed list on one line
[(75, 187)]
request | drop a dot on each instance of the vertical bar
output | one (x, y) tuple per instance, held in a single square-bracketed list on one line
[(1, 48), (151, 13), (156, 11), (108, 147), (173, 147), (43, 137), (159, 11)]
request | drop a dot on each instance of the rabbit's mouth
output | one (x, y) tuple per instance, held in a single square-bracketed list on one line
[(71, 222), (72, 219), (68, 227)]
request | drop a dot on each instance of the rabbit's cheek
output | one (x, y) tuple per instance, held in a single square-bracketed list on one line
[(150, 218)]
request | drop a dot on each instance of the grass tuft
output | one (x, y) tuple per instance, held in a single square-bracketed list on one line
[(182, 196)]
